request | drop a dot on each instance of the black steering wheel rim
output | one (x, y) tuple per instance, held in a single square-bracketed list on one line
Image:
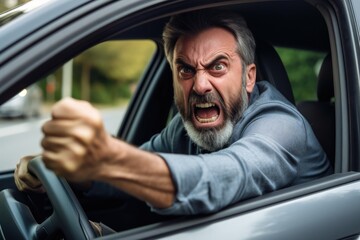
[(68, 215)]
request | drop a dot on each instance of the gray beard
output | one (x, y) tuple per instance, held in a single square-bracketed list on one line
[(210, 139), (217, 138)]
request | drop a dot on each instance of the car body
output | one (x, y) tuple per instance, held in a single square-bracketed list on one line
[(27, 103), (43, 36)]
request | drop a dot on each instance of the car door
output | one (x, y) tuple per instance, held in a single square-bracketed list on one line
[(323, 209), (327, 208)]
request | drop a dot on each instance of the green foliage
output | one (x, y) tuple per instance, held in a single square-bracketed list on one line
[(116, 67), (124, 61), (103, 90), (302, 70), (99, 94), (113, 67), (121, 61)]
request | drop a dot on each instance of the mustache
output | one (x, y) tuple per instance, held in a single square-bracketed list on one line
[(208, 97), (214, 97)]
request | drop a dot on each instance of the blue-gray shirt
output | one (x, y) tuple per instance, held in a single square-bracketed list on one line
[(272, 146)]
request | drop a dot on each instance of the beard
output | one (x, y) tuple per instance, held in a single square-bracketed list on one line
[(212, 139)]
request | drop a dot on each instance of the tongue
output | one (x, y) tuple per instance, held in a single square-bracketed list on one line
[(205, 113)]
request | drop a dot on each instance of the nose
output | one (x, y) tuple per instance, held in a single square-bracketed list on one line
[(202, 84)]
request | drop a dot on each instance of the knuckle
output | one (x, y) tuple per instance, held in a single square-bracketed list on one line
[(43, 142), (78, 151), (47, 158), (21, 176), (44, 127), (83, 133)]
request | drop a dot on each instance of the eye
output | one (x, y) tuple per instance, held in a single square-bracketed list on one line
[(186, 72), (217, 68)]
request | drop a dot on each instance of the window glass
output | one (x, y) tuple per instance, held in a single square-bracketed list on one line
[(105, 75), (302, 68)]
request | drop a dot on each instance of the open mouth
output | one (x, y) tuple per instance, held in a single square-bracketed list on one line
[(206, 112)]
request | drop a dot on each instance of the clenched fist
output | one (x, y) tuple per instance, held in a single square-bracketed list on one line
[(76, 146), (75, 142)]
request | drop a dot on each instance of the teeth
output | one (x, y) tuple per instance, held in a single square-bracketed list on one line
[(207, 120), (205, 105)]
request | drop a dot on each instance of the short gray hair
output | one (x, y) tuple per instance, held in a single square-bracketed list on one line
[(195, 22)]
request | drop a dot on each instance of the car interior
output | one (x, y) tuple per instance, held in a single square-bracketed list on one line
[(304, 28), (321, 112), (292, 24)]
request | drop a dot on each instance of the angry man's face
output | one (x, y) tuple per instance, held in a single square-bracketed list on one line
[(210, 85)]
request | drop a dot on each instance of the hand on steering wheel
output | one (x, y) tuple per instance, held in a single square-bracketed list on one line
[(68, 216)]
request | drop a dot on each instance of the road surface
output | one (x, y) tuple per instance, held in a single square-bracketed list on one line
[(19, 137)]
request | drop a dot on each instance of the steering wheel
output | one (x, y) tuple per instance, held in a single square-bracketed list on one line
[(17, 221)]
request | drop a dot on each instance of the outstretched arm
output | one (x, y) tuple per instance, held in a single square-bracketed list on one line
[(77, 147)]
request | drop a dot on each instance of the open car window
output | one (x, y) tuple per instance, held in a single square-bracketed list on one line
[(303, 67), (106, 75)]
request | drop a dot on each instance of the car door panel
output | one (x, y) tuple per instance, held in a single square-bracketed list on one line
[(301, 212)]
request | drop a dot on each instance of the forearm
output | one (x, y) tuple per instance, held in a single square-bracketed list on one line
[(77, 147), (139, 173)]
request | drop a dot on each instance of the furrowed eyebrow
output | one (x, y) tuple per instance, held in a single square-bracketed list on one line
[(182, 63), (217, 59), (209, 65)]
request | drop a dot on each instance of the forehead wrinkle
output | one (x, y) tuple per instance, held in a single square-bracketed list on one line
[(203, 48), (217, 56), (207, 61)]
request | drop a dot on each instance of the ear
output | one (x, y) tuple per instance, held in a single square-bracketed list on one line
[(250, 77)]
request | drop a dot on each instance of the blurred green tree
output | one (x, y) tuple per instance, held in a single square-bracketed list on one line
[(302, 69), (118, 64)]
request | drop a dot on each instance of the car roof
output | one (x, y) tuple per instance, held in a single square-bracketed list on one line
[(304, 28), (38, 12), (296, 24)]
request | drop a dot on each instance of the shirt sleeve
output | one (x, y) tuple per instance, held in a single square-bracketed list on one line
[(264, 159)]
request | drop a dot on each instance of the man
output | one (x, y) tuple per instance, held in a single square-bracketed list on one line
[(233, 139)]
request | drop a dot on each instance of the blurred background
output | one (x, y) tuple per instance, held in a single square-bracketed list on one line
[(107, 76), (96, 75)]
